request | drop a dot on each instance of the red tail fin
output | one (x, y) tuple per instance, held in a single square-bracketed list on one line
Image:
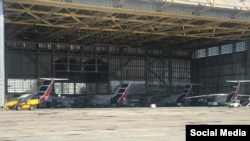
[(121, 95), (44, 91), (234, 93), (186, 92)]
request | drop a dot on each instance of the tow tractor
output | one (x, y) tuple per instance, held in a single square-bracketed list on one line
[(12, 103), (234, 104), (27, 103), (23, 102)]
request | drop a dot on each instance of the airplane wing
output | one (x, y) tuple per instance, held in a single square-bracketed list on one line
[(207, 95), (43, 78), (231, 96), (24, 96), (243, 95), (238, 81)]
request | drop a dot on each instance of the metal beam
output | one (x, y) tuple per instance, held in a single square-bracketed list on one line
[(2, 60)]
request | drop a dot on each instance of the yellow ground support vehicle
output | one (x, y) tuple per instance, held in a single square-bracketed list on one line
[(29, 104), (10, 104), (22, 102)]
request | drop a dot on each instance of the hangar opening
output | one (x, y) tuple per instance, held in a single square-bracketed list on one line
[(157, 46)]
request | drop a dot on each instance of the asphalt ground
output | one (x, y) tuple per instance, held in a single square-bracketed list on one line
[(113, 124)]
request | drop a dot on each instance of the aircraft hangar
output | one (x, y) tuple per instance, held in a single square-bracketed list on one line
[(156, 45)]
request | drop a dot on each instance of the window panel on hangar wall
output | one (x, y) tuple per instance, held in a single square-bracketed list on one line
[(213, 51), (71, 88), (68, 88), (80, 88), (22, 85), (201, 53), (58, 88), (31, 85), (225, 49), (240, 46)]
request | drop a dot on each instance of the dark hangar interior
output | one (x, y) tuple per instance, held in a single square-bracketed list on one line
[(157, 46)]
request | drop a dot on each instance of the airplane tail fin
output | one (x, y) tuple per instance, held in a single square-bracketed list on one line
[(186, 92), (233, 94), (121, 94), (44, 91)]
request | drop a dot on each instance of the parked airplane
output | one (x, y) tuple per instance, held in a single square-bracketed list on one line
[(113, 99), (30, 101), (182, 97), (231, 96)]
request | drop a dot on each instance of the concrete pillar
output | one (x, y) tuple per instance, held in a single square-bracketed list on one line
[(2, 67)]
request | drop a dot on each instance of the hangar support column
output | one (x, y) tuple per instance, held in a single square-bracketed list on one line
[(2, 67), (248, 66)]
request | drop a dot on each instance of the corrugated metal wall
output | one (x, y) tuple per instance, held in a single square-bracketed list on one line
[(161, 73), (213, 71)]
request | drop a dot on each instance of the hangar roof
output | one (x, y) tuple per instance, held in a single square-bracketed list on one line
[(79, 23)]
